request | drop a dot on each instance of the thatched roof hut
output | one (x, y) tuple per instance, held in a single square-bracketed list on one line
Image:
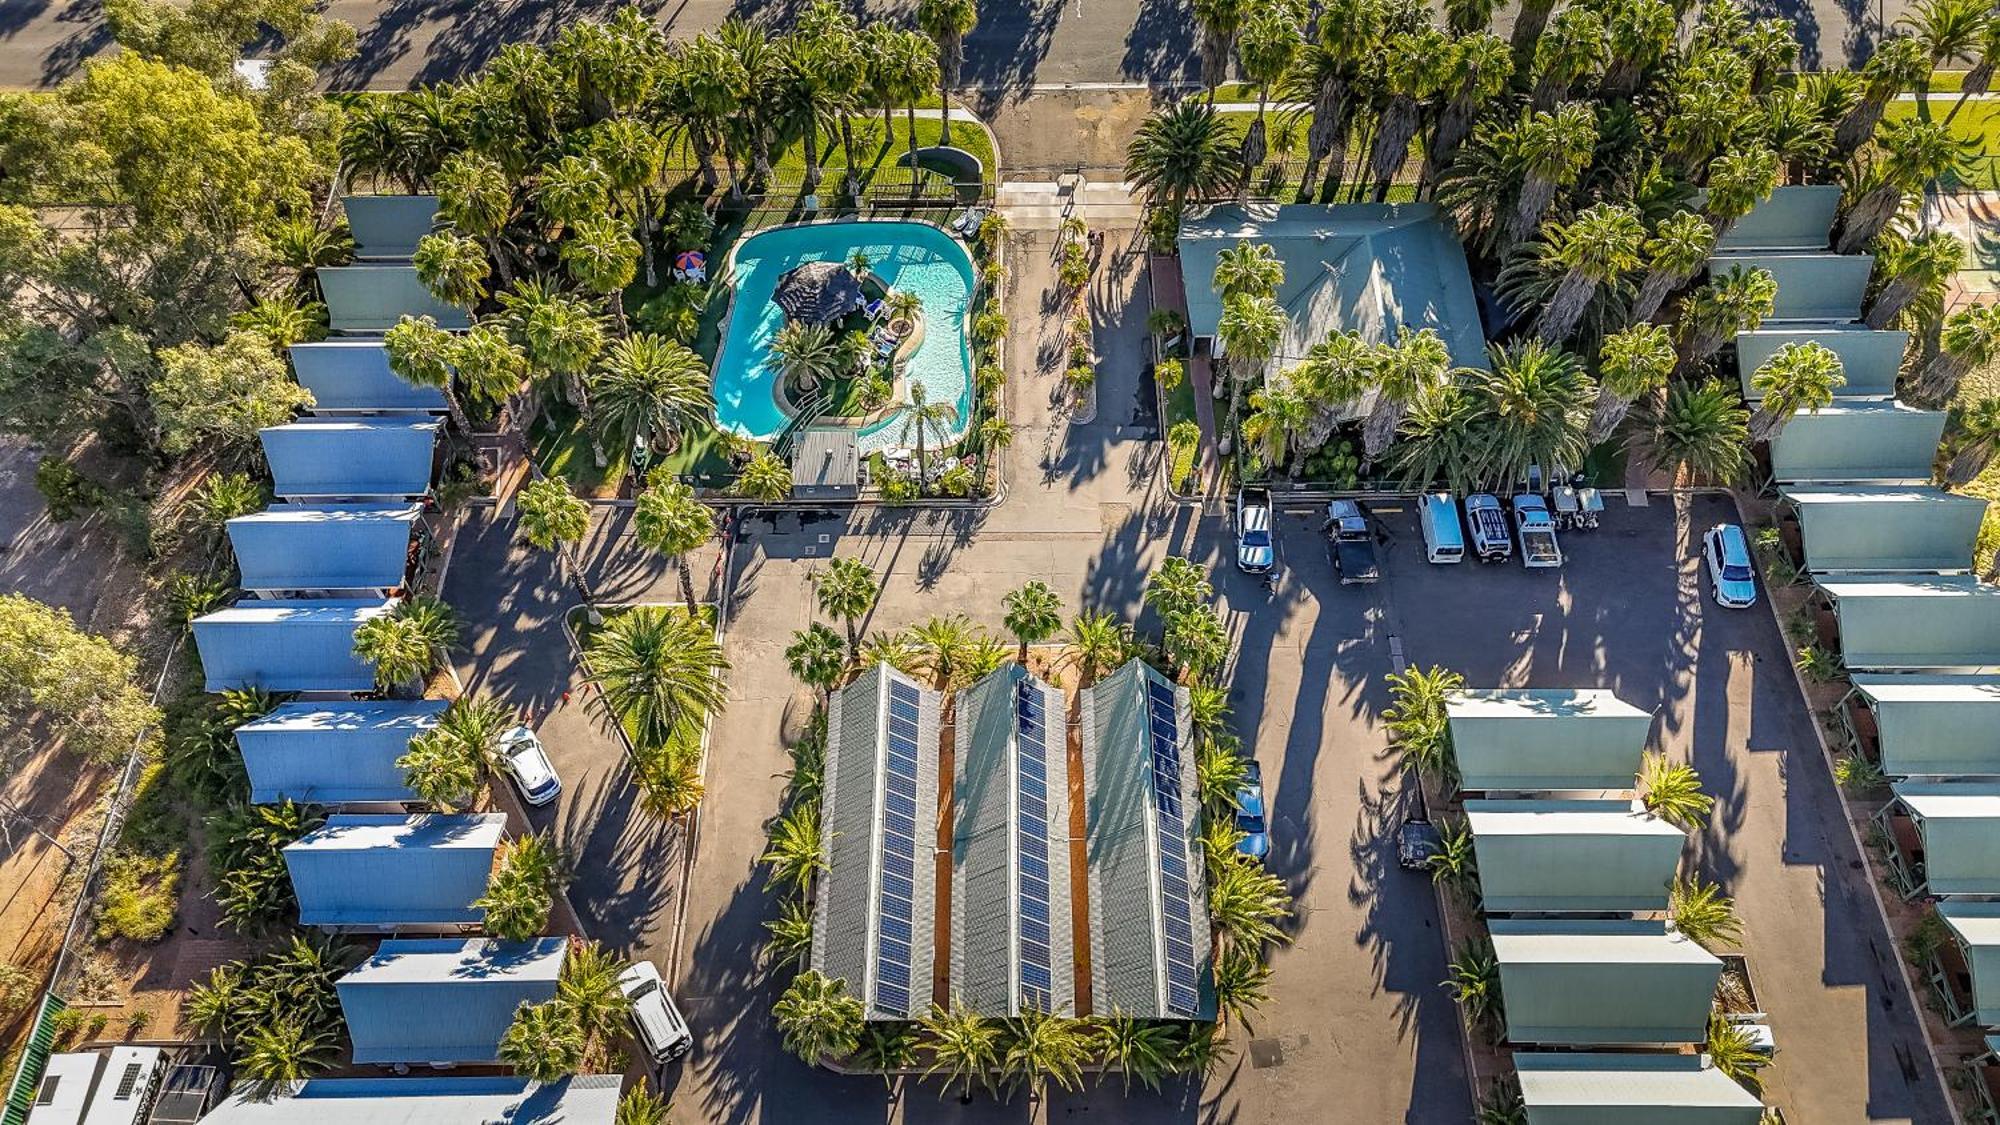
[(818, 292)]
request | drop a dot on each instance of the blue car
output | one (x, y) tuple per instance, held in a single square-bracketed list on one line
[(1256, 842), (1731, 579)]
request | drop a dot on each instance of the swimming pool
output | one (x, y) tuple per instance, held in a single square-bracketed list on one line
[(913, 256)]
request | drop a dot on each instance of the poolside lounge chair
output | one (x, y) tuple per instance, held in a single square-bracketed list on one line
[(967, 225)]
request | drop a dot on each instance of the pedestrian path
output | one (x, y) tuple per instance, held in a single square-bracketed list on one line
[(1044, 204)]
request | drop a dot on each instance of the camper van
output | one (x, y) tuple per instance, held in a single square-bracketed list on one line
[(1444, 538)]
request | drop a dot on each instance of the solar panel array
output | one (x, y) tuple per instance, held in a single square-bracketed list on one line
[(1031, 780), (899, 853), (1176, 893)]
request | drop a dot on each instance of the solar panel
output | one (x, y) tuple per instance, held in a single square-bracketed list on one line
[(896, 902), (1032, 836), (1176, 895)]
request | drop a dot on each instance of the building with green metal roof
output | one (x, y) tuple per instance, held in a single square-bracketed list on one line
[(1938, 623), (388, 227), (1943, 837), (1884, 528), (1595, 983), (1857, 441), (1868, 358), (1926, 726), (1545, 856), (1630, 1089), (1815, 287), (369, 299), (1964, 973), (1546, 739), (1795, 217)]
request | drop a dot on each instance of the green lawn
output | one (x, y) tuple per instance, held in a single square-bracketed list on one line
[(876, 153), (562, 449), (1180, 402)]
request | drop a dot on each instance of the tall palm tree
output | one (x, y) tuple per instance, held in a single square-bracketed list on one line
[(842, 64), (1736, 301), (544, 1043), (1912, 274), (1219, 21), (1631, 365), (475, 723), (650, 390), (1043, 1046), (589, 988), (924, 419), (1970, 340), (796, 853), (1985, 54), (1100, 641), (439, 771), (1571, 53), (1034, 614), (1948, 29), (1439, 438), (1417, 720), (1701, 431), (767, 479), (602, 256), (668, 519), (816, 657), (669, 780), (965, 1046), (1418, 361), (1539, 405), (1417, 65), (946, 640), (560, 334), (1183, 153), (488, 365), (396, 648), (817, 1017), (421, 353), (1638, 33), (1334, 376), (1349, 33), (452, 267), (1528, 25), (699, 91), (807, 354), (948, 22), (1737, 182), (797, 98), (1477, 67), (1898, 64), (476, 197), (1248, 333), (1196, 641), (1679, 246), (1798, 376), (904, 69), (1178, 584), (1552, 150), (1599, 247), (631, 153), (1914, 152), (1269, 43), (1250, 269), (1279, 414), (551, 517), (659, 668), (1975, 436), (846, 590)]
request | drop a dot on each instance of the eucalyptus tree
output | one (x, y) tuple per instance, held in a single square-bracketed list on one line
[(670, 520), (1737, 300), (1597, 248), (1798, 376), (1183, 153), (1632, 364), (650, 391), (1219, 21), (948, 22), (1571, 54), (1899, 63), (1911, 275), (1416, 362), (1678, 248), (1552, 149), (1417, 66), (1477, 68), (1913, 152), (1970, 340), (1269, 44)]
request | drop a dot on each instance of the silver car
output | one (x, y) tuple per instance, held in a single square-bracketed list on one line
[(656, 1022)]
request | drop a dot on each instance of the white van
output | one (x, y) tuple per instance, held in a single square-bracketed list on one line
[(1444, 538)]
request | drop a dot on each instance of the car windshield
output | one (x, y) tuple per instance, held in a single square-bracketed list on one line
[(1256, 539), (1250, 824), (645, 989), (1736, 574)]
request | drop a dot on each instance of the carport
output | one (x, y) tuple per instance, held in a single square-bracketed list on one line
[(389, 226), (1822, 286), (1926, 726), (354, 376), (369, 300), (1566, 856), (1546, 739), (1631, 1089), (1945, 623), (334, 753), (1859, 441), (1587, 983), (351, 459), (382, 873), (1794, 217), (1882, 528), (1943, 837), (286, 645), (328, 547), (1964, 972), (1869, 359)]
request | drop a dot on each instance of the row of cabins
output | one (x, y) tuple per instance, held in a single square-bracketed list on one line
[(1890, 556), (994, 905), (1602, 1001)]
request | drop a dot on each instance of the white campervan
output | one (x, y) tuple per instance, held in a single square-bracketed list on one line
[(1444, 538)]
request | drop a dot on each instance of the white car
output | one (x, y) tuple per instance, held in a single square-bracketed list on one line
[(656, 1022), (1255, 551), (1731, 579), (529, 766)]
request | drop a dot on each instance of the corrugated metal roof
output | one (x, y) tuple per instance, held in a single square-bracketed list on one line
[(444, 1000), (333, 753), (1960, 822), (323, 547), (354, 375), (1128, 956), (1633, 1089), (1810, 286), (1601, 983), (426, 1100), (988, 967), (1977, 925), (826, 457), (1940, 726), (384, 872), (281, 645), (1546, 739), (358, 459), (1885, 527), (1793, 217), (1947, 623), (1572, 855), (1869, 359), (1862, 441), (847, 918), (371, 299), (388, 226)]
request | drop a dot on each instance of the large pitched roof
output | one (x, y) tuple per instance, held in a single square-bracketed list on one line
[(370, 871), (1815, 287), (354, 375), (1885, 527), (1939, 623), (1546, 739), (1575, 1088), (423, 1100), (323, 547), (389, 226), (282, 645), (1795, 217), (334, 753), (352, 458), (1862, 441), (1960, 822), (444, 1000), (1868, 358), (1940, 726), (1547, 856), (1588, 983), (370, 299), (1977, 926)]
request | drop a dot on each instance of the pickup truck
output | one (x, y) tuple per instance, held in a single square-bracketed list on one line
[(1537, 529), (1351, 542), (1488, 524)]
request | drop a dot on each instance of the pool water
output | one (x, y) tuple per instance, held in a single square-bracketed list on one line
[(912, 256)]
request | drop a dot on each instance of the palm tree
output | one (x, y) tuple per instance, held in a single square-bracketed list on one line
[(1672, 791), (476, 198), (521, 891), (1247, 334), (846, 590), (649, 387), (1279, 415), (947, 22), (395, 647), (544, 1043), (791, 935), (1733, 1051), (796, 854), (841, 62), (1477, 67), (1538, 410), (903, 67), (1737, 182), (475, 723), (1183, 153), (1597, 248), (1034, 614), (1100, 641), (439, 771), (1979, 79), (602, 256), (1552, 149), (1201, 1049), (1912, 273), (1219, 21), (1248, 269), (1798, 376), (1976, 436), (1948, 29), (1246, 904), (1474, 982), (452, 268), (1040, 1046), (1242, 984), (1573, 51), (550, 516), (1528, 25), (562, 336), (816, 657), (1736, 301), (668, 519), (947, 641), (1177, 585), (1970, 340), (1898, 63), (797, 98), (1456, 865), (1196, 641), (1679, 247), (1417, 721), (888, 1048), (1914, 152), (920, 418), (818, 1018), (1269, 44), (1639, 34), (1631, 365), (669, 780), (807, 354), (659, 668), (1220, 771), (964, 1045), (1701, 431), (1349, 34), (640, 1106), (284, 1050), (589, 989), (1135, 1048), (1440, 439), (1415, 68), (1702, 913), (766, 479), (1417, 362), (489, 366), (422, 353)]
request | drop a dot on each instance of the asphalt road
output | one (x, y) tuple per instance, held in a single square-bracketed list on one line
[(1018, 44)]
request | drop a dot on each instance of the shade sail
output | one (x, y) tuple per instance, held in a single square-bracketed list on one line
[(1869, 359), (1960, 823), (1885, 527), (334, 753), (1553, 856), (1820, 287), (422, 1100), (1537, 739), (1586, 983), (286, 645), (386, 872), (389, 226), (1630, 1089), (444, 1000), (324, 547), (1937, 726), (371, 299), (1858, 441), (354, 459), (1947, 623), (1794, 217), (1977, 927), (818, 292), (350, 376)]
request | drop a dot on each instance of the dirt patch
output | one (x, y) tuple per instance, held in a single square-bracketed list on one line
[(1059, 131)]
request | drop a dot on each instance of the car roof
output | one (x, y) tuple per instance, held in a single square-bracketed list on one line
[(1735, 550)]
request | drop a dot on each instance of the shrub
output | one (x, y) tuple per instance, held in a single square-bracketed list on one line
[(1166, 322), (898, 488), (137, 1023), (988, 327), (66, 1024), (1857, 774), (1170, 373), (1074, 272), (1081, 377), (991, 230), (1818, 664), (95, 1027), (67, 492), (957, 481), (992, 276), (141, 896), (17, 989), (1183, 446)]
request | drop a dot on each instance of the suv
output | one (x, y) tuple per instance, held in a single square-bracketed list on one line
[(525, 761), (1255, 553), (655, 1021), (1491, 542), (1351, 542)]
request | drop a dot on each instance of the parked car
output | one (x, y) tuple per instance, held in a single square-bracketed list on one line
[(1444, 536), (1537, 529), (656, 1022), (1418, 842), (1351, 542), (1730, 576), (1255, 551), (1256, 841), (1490, 539), (521, 752)]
